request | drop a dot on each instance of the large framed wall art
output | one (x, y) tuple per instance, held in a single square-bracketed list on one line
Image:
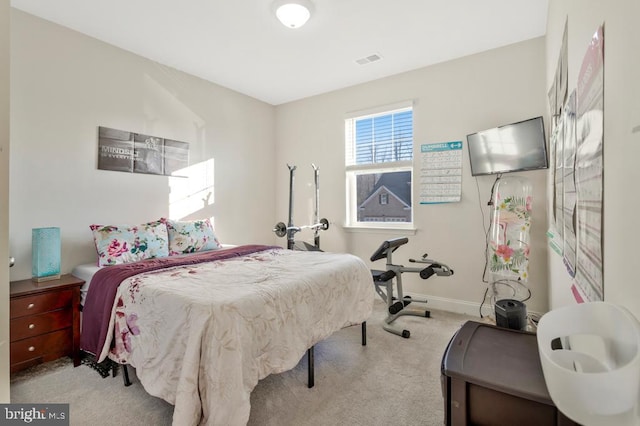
[(125, 151)]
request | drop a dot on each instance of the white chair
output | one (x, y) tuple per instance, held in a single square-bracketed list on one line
[(590, 355)]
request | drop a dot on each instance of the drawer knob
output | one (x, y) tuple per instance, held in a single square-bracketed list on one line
[(32, 326), (32, 348), (30, 305)]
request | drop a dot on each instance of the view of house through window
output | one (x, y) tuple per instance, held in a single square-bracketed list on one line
[(384, 197), (379, 161)]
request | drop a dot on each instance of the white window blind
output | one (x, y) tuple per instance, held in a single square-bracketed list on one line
[(379, 138)]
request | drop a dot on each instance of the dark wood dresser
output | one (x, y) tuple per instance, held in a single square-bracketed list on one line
[(45, 321)]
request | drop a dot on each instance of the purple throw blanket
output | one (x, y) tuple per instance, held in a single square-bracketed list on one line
[(98, 305)]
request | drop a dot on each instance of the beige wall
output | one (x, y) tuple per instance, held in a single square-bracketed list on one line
[(621, 141), (4, 202), (64, 85), (451, 100)]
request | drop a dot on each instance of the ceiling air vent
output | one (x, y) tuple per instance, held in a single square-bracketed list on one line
[(369, 59)]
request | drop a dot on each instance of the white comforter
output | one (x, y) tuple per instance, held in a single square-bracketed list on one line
[(201, 336)]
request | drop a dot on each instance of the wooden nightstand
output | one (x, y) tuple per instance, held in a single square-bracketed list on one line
[(45, 321)]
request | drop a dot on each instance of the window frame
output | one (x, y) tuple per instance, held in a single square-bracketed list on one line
[(353, 170)]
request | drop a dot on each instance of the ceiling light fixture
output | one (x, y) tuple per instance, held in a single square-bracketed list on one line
[(293, 13)]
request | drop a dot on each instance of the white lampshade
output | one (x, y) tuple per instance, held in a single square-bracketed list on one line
[(293, 13)]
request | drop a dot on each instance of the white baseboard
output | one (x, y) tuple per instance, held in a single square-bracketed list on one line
[(460, 306), (452, 305)]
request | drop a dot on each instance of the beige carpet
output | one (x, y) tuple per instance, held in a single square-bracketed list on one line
[(390, 381)]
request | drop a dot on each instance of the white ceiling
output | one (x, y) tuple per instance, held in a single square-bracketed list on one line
[(240, 44)]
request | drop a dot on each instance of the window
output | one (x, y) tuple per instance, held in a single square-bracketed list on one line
[(379, 164)]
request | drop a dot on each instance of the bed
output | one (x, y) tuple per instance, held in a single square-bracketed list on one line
[(202, 329)]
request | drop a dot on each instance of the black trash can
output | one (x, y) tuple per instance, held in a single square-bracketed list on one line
[(511, 313)]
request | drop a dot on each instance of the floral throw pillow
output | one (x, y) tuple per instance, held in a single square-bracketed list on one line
[(190, 236), (125, 244)]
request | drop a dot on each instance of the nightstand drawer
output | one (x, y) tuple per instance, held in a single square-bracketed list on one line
[(24, 327), (30, 305), (47, 346), (44, 320)]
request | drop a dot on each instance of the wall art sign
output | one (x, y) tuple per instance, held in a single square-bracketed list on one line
[(125, 151)]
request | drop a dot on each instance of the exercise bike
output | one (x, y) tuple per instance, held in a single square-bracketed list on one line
[(384, 281)]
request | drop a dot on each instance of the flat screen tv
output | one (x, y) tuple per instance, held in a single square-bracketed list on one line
[(510, 148)]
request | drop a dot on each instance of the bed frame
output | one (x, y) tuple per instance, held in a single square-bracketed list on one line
[(310, 363)]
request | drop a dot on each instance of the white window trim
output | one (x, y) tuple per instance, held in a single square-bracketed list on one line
[(351, 224), (397, 229), (379, 110), (390, 166)]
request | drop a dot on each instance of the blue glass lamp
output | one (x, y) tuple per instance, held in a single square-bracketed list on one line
[(45, 254)]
